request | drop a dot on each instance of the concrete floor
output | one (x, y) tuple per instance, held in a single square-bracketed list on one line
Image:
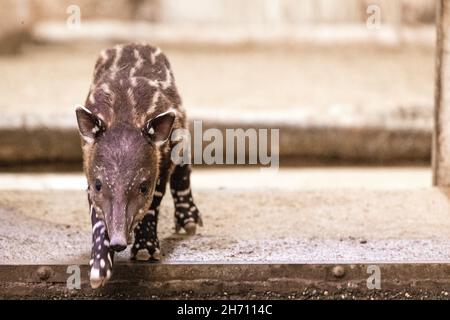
[(334, 216), (306, 178), (311, 233)]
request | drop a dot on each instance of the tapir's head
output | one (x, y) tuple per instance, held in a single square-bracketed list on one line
[(121, 165)]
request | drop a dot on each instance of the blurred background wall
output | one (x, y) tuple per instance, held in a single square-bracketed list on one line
[(235, 11), (18, 16), (312, 67)]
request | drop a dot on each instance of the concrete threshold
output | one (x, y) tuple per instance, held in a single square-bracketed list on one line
[(231, 281), (302, 242), (341, 134)]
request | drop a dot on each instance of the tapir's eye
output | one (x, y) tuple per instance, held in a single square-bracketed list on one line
[(143, 188), (98, 185)]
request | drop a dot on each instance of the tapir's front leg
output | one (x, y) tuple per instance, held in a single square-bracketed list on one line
[(146, 243), (187, 215), (101, 262)]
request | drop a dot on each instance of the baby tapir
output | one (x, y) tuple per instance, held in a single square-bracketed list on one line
[(132, 107)]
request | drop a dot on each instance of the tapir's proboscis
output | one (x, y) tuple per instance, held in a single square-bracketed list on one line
[(132, 107)]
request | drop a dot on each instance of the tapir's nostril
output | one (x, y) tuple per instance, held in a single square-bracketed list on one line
[(118, 243), (118, 247)]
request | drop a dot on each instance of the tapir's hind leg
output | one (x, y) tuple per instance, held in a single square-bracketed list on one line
[(146, 243), (101, 262), (187, 215)]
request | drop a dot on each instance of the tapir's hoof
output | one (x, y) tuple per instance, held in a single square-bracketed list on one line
[(188, 219), (97, 280), (96, 283), (191, 228), (144, 255)]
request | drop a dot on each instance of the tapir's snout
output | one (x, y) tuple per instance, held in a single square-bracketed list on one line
[(118, 243), (117, 228)]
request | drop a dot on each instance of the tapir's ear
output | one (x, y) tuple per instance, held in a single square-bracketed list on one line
[(89, 124), (158, 128)]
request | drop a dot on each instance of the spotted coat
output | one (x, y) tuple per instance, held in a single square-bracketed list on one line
[(132, 83)]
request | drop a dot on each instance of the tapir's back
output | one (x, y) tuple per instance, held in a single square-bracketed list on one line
[(135, 81)]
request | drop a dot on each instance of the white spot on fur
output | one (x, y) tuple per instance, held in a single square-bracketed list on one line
[(105, 88), (118, 49), (97, 225), (133, 82), (152, 58), (103, 56), (139, 62), (130, 96), (95, 130), (153, 83), (184, 192), (95, 273), (168, 82), (155, 99)]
